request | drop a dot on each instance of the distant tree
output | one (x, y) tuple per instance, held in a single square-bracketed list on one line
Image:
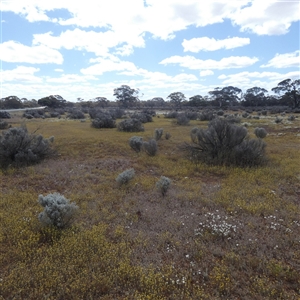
[(11, 102), (255, 97), (101, 101), (29, 103), (197, 101), (290, 90), (53, 101), (126, 96), (176, 98), (228, 95)]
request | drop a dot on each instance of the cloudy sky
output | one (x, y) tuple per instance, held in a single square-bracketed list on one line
[(87, 48)]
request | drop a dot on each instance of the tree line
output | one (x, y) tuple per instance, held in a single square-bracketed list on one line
[(286, 93)]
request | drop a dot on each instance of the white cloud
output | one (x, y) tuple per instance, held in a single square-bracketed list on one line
[(246, 80), (193, 63), (206, 73), (70, 78), (267, 17), (287, 60), (12, 51), (58, 70), (210, 44), (21, 74), (90, 41)]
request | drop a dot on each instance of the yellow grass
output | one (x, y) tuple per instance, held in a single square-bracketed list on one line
[(219, 233)]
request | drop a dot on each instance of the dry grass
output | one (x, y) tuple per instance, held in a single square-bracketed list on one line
[(219, 233)]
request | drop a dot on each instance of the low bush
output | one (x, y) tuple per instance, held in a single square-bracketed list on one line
[(136, 143), (171, 115), (3, 125), (76, 114), (117, 113), (158, 132), (103, 120), (18, 147), (150, 147), (143, 117), (182, 119), (167, 135), (58, 211), (223, 143), (130, 125), (4, 115), (125, 176), (163, 184), (206, 115), (260, 132)]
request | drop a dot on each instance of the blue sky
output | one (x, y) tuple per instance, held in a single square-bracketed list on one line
[(85, 49)]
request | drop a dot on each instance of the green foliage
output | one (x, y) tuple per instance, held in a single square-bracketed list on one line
[(58, 211), (125, 176), (130, 125), (223, 143), (182, 119), (163, 184), (3, 125), (136, 143), (76, 114), (19, 148)]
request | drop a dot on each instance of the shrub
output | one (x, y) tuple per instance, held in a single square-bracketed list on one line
[(260, 132), (58, 211), (223, 143), (125, 176), (136, 143), (130, 125), (76, 114), (171, 115), (158, 132), (150, 147), (117, 113), (278, 120), (220, 112), (103, 120), (3, 124), (143, 117), (264, 112), (192, 115), (4, 115), (163, 184), (206, 115), (182, 119), (291, 118), (18, 147), (167, 136)]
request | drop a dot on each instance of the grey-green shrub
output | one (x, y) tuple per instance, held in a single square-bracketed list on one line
[(167, 135), (260, 132), (58, 211), (3, 125), (76, 114), (150, 147), (103, 120), (223, 143), (182, 119), (19, 148), (163, 184), (158, 132), (130, 125), (291, 118), (125, 176), (136, 143)]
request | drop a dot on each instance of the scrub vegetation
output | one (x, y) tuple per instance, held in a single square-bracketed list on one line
[(176, 230)]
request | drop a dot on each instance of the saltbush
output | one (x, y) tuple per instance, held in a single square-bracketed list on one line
[(18, 147), (182, 119), (125, 176), (167, 135), (3, 124), (130, 125), (150, 147), (103, 120), (158, 132), (4, 115), (136, 143), (223, 143), (58, 211), (143, 117), (260, 132), (163, 184), (76, 114)]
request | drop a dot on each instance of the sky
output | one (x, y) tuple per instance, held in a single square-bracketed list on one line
[(86, 49)]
